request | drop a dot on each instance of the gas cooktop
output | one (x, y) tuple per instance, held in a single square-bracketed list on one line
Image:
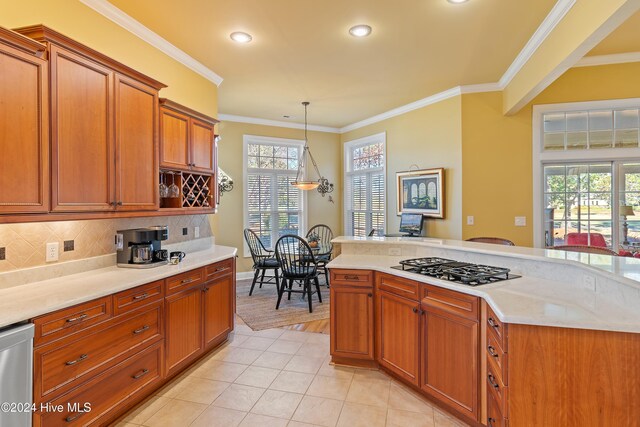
[(454, 271)]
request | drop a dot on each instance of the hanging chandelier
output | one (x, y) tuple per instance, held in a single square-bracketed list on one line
[(303, 180)]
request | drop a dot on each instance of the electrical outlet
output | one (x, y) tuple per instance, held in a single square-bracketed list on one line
[(470, 220), (68, 245), (196, 232), (589, 282), (185, 231), (395, 251), (521, 221), (119, 242), (52, 252), (3, 253)]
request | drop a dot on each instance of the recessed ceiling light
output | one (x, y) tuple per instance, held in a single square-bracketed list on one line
[(457, 1), (241, 37), (360, 31)]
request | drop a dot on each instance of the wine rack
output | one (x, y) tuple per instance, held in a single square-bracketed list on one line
[(195, 190)]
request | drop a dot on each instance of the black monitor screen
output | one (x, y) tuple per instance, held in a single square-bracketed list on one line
[(411, 223)]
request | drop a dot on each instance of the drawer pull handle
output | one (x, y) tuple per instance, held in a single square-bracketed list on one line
[(141, 330), (205, 289), (77, 319), (78, 360), (217, 270), (141, 296), (493, 382), (185, 281), (351, 277), (140, 374), (492, 323), (492, 351), (72, 418)]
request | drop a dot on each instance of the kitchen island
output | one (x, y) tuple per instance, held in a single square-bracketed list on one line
[(559, 345)]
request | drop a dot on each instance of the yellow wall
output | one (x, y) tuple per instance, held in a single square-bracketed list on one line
[(430, 138), (497, 149), (326, 149), (74, 19)]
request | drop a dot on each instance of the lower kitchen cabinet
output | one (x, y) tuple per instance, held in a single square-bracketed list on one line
[(217, 312), (352, 322), (183, 328), (398, 335)]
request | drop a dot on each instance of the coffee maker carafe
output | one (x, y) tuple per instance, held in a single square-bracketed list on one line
[(141, 247)]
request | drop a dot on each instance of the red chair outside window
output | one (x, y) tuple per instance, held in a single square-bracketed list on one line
[(582, 239)]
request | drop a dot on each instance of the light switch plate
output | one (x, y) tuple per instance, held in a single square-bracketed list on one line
[(470, 220), (52, 252), (196, 232), (119, 242), (521, 221)]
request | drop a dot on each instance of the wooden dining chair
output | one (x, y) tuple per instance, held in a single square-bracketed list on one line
[(298, 265), (263, 261), (325, 235), (492, 240), (584, 248)]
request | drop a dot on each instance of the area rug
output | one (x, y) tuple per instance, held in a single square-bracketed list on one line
[(259, 312)]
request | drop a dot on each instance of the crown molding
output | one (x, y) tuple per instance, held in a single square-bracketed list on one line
[(276, 123), (616, 58), (479, 88), (109, 11), (554, 17)]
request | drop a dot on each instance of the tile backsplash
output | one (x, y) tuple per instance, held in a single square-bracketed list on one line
[(25, 243)]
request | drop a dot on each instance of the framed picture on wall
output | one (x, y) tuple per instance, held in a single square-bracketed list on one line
[(422, 192)]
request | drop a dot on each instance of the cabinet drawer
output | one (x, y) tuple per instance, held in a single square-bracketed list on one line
[(496, 388), (351, 277), (401, 287), (218, 269), (59, 368), (70, 320), (138, 297), (494, 414), (498, 357), (108, 392), (495, 326), (452, 302), (184, 281)]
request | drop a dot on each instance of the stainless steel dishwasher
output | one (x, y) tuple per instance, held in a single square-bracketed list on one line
[(16, 375)]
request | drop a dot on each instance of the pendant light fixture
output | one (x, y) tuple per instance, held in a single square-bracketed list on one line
[(303, 178)]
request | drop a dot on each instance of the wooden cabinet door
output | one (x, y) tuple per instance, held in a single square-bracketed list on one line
[(83, 152), (398, 335), (217, 310), (202, 148), (450, 360), (174, 139), (352, 322), (183, 328), (136, 145), (24, 132)]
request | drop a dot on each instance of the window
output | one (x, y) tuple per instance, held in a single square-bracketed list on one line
[(272, 207), (587, 174), (365, 185)]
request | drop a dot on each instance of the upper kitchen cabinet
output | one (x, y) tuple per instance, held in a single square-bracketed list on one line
[(24, 125), (104, 129), (186, 138)]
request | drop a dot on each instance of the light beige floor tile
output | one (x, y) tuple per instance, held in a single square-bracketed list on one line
[(255, 420), (143, 412), (335, 371), (243, 330), (304, 364), (219, 371), (239, 397), (125, 424), (257, 343), (398, 418), (317, 338), (371, 374), (269, 333), (318, 411), (329, 387), (214, 416), (294, 382), (299, 424), (314, 350), (235, 340), (276, 403), (406, 400), (443, 420), (243, 356), (356, 415), (284, 346), (197, 390), (257, 377), (369, 392), (176, 413), (295, 336), (272, 360)]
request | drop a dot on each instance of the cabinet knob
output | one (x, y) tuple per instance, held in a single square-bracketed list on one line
[(119, 203), (415, 309), (490, 421), (205, 289), (369, 294)]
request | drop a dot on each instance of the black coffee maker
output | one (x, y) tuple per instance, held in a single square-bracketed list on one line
[(141, 248)]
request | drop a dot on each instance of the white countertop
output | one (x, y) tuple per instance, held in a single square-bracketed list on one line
[(26, 301), (528, 300)]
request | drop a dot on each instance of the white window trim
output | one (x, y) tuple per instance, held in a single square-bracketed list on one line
[(348, 147), (542, 158), (265, 140)]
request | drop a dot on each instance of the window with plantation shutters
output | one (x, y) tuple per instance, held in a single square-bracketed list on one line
[(273, 207), (365, 186)]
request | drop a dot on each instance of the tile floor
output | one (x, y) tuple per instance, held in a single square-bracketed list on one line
[(282, 378)]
